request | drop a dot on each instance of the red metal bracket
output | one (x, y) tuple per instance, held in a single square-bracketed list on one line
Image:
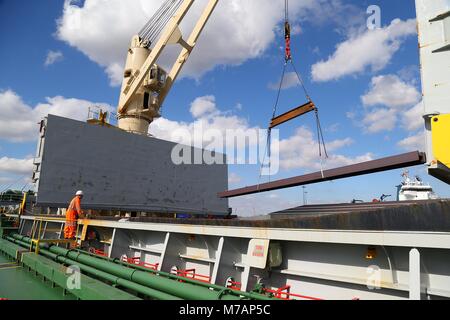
[(137, 261), (284, 293), (191, 274)]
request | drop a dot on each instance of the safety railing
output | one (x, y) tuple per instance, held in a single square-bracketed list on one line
[(97, 113), (284, 293), (36, 234)]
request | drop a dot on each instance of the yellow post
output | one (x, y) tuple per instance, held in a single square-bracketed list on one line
[(22, 205), (440, 129), (39, 237)]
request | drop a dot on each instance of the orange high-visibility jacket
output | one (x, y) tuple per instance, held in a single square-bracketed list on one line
[(74, 210)]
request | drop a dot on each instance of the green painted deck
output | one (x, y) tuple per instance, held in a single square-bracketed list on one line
[(16, 283)]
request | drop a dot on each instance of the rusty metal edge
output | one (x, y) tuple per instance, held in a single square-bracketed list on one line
[(363, 168)]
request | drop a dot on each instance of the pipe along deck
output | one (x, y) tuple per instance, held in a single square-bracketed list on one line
[(108, 278)]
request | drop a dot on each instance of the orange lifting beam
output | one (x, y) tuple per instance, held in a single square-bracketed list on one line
[(294, 113)]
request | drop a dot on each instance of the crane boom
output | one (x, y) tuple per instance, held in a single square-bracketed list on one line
[(146, 85), (184, 55)]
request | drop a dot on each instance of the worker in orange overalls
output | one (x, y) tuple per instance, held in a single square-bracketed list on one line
[(72, 215)]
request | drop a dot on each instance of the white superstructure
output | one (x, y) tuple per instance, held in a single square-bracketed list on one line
[(415, 189)]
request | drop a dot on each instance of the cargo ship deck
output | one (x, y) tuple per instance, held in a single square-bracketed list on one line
[(318, 251)]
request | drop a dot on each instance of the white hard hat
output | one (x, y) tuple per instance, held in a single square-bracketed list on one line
[(79, 193)]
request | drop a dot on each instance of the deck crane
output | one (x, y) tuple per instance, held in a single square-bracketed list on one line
[(145, 84)]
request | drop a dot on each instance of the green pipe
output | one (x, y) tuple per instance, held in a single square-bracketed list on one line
[(103, 275), (174, 277), (249, 295), (183, 290)]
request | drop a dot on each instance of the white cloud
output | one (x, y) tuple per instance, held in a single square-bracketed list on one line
[(372, 49), (238, 30), (53, 57), (203, 105), (390, 91), (302, 151), (19, 121), (396, 98), (220, 122), (414, 142), (387, 101), (290, 80), (297, 151), (412, 119), (380, 120), (207, 118), (16, 166), (233, 178)]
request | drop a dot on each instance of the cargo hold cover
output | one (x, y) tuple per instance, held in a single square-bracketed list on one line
[(122, 171)]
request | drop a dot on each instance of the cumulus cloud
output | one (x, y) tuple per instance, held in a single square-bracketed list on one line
[(412, 119), (53, 57), (302, 151), (207, 119), (16, 166), (203, 105), (371, 49), (392, 102), (388, 100), (238, 30), (390, 91), (413, 142), (380, 120), (19, 121)]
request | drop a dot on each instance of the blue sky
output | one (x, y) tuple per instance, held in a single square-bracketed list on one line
[(240, 87)]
